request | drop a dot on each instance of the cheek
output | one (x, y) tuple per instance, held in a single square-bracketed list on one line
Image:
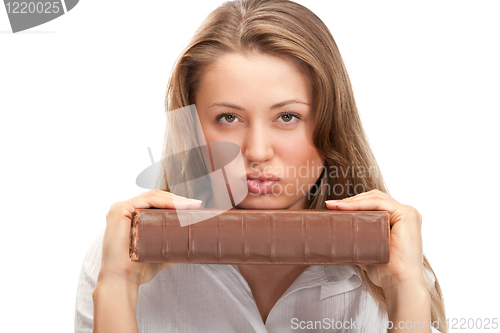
[(299, 153), (213, 134)]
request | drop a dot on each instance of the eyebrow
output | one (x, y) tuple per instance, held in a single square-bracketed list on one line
[(275, 106)]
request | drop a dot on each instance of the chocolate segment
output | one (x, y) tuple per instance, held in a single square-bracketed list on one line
[(282, 236)]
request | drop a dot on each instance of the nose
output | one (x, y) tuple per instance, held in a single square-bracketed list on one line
[(257, 144)]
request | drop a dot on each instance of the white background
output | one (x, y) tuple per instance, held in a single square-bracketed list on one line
[(81, 99)]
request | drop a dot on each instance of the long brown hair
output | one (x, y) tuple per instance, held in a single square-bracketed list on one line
[(287, 29)]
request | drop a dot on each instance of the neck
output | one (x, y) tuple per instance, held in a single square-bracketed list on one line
[(271, 272)]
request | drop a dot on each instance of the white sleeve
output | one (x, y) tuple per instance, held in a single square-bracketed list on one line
[(84, 307), (435, 330)]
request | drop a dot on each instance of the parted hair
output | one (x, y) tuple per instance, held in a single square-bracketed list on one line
[(284, 28)]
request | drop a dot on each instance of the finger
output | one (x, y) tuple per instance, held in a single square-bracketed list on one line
[(361, 195), (120, 213), (192, 203), (331, 204), (163, 200), (368, 203)]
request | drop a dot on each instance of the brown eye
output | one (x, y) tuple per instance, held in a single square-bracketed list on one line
[(229, 118), (287, 117), (226, 118)]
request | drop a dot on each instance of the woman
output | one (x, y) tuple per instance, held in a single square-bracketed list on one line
[(267, 76)]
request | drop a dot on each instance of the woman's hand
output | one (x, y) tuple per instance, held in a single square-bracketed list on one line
[(116, 292), (115, 250), (405, 265)]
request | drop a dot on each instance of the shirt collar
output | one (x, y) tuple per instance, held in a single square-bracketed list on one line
[(333, 279), (312, 276), (341, 279)]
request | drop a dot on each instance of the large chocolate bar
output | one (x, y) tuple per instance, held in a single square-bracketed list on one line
[(244, 236)]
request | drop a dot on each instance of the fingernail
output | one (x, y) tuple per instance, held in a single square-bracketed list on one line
[(195, 201), (331, 201), (194, 204)]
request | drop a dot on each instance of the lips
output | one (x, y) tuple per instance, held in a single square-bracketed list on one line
[(262, 176), (261, 183), (261, 186)]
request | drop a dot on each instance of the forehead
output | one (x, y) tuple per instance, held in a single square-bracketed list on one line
[(255, 75)]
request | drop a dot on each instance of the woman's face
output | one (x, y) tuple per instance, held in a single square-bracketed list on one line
[(263, 104)]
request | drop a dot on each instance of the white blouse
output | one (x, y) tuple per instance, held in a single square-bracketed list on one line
[(216, 298)]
